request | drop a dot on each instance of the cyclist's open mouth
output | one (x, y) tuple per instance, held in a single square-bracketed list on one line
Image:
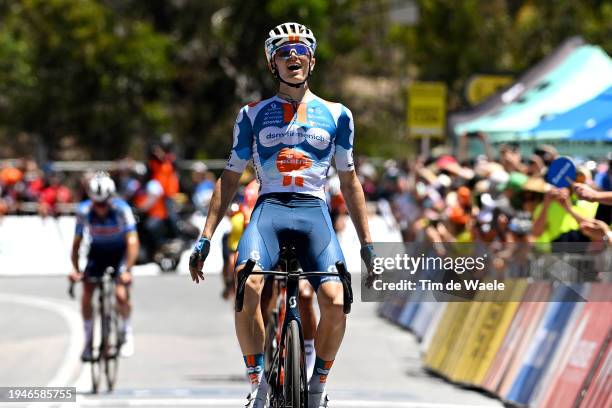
[(294, 67)]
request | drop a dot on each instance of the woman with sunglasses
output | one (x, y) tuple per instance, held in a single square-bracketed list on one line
[(291, 138)]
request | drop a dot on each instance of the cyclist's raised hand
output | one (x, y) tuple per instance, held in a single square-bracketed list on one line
[(197, 258), (368, 255)]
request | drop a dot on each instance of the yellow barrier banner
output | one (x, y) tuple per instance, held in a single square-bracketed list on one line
[(504, 320), (435, 353), (457, 362)]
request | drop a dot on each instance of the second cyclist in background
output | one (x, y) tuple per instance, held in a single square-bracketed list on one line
[(110, 224)]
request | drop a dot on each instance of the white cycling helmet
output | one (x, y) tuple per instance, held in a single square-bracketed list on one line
[(101, 187), (289, 33)]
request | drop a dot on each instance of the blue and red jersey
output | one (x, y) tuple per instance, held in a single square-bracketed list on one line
[(109, 232)]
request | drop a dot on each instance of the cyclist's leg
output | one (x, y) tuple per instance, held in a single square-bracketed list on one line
[(332, 323), (116, 260), (323, 253), (124, 305), (87, 310), (124, 308), (93, 269), (254, 243), (307, 312), (268, 293)]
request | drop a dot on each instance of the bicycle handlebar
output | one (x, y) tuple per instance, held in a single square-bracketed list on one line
[(90, 279), (343, 274)]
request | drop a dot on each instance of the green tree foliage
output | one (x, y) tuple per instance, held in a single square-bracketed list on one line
[(76, 68), (456, 39), (116, 73)]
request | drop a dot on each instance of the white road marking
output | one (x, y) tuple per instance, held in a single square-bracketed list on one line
[(65, 374), (215, 402)]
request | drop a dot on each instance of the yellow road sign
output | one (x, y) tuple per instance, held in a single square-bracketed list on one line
[(426, 114)]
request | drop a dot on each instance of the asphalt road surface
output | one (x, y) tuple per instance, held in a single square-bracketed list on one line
[(187, 354)]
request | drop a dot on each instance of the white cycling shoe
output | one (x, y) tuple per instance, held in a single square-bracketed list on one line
[(257, 398), (127, 348), (318, 400)]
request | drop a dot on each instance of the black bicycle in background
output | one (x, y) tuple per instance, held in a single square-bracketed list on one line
[(286, 374), (106, 337)]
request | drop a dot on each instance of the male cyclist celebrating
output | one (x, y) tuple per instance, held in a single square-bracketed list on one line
[(114, 243), (291, 138)]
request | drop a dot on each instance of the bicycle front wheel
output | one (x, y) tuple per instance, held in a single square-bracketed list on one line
[(295, 384), (111, 358), (96, 365)]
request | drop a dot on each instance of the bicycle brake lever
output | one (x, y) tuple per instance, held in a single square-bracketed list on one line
[(345, 277), (243, 275)]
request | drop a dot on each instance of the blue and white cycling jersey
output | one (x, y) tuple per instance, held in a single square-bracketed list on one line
[(108, 233), (292, 145)]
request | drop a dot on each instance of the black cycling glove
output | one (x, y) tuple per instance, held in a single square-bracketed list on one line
[(368, 255), (199, 254)]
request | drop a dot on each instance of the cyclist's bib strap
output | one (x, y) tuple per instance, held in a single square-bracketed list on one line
[(300, 220)]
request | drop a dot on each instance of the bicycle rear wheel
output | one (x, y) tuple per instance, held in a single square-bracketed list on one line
[(295, 383)]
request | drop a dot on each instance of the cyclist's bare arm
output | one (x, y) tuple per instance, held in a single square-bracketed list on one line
[(225, 189), (74, 256), (355, 203), (133, 245)]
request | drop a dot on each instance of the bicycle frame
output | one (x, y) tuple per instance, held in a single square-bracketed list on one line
[(292, 277), (104, 286)]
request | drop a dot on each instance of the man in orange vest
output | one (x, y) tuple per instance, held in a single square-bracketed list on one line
[(150, 200), (162, 168)]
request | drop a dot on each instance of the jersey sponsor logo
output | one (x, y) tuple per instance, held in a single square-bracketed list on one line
[(255, 255), (105, 229), (291, 135), (289, 160), (274, 121)]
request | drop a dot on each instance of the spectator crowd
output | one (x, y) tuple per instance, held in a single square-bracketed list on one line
[(489, 198), (493, 199)]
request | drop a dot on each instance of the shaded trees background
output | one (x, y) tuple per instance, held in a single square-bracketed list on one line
[(100, 78)]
